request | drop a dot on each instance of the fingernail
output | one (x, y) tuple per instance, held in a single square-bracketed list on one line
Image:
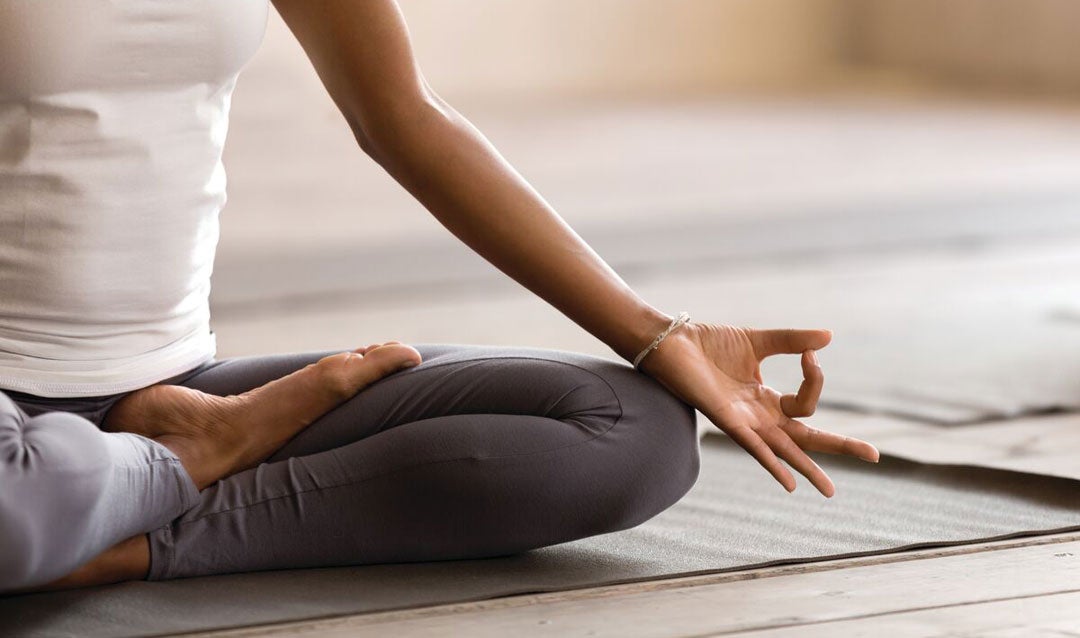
[(813, 358), (409, 364)]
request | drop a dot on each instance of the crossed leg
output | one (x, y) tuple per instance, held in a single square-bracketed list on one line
[(479, 451)]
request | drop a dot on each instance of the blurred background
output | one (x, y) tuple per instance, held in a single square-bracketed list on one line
[(904, 172)]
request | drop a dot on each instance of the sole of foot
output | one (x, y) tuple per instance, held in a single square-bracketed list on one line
[(216, 436)]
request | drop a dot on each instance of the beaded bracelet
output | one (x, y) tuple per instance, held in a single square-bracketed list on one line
[(683, 317)]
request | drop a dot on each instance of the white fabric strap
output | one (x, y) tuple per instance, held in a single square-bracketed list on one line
[(684, 317)]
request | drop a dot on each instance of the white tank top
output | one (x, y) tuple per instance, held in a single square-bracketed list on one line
[(113, 115)]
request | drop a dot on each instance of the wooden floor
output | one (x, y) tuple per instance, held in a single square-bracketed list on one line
[(1026, 587), (610, 168)]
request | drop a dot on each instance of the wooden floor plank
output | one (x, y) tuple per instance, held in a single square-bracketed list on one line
[(759, 599), (1050, 615)]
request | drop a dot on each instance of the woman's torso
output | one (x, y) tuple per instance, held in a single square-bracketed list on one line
[(113, 116)]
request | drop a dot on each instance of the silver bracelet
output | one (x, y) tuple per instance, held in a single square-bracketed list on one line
[(684, 317)]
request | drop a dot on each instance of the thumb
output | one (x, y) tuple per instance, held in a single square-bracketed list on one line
[(766, 343)]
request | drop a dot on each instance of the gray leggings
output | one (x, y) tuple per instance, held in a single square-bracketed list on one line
[(479, 451)]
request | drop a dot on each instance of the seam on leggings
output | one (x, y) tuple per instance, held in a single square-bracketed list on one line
[(61, 471), (460, 458), (160, 567), (168, 457)]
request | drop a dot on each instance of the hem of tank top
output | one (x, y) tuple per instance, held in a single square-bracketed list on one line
[(83, 390), (77, 390)]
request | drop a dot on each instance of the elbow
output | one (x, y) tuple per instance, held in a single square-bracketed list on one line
[(365, 138), (365, 144), (385, 128)]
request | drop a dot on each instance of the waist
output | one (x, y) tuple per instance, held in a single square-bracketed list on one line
[(60, 366)]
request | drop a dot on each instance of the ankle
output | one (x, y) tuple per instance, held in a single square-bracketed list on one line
[(198, 462)]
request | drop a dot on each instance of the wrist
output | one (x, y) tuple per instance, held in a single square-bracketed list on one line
[(641, 332), (672, 351), (682, 319)]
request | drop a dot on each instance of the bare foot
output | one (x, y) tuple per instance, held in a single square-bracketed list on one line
[(219, 436)]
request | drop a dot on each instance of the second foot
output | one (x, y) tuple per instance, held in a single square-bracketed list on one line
[(218, 436)]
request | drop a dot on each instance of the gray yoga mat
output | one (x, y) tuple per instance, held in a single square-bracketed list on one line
[(735, 517)]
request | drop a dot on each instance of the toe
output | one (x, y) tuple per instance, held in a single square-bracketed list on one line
[(347, 373), (390, 357)]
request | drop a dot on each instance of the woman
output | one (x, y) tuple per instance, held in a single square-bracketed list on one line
[(128, 451)]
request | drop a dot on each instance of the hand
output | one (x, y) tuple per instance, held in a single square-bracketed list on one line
[(717, 369)]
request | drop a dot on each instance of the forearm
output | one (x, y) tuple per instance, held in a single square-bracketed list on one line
[(454, 172)]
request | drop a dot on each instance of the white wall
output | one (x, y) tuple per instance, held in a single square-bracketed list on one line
[(520, 49), (499, 48)]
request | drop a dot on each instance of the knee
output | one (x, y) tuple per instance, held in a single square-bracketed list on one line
[(18, 553), (659, 454), (43, 502), (670, 461)]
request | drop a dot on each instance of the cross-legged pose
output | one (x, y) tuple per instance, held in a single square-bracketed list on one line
[(129, 451)]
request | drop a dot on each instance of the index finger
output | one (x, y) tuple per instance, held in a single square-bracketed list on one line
[(805, 402)]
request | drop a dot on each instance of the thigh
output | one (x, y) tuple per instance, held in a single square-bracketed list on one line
[(452, 380)]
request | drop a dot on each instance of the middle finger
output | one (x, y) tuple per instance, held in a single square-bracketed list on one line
[(786, 449), (816, 440)]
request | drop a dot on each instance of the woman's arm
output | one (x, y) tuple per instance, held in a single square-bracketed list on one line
[(362, 53)]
